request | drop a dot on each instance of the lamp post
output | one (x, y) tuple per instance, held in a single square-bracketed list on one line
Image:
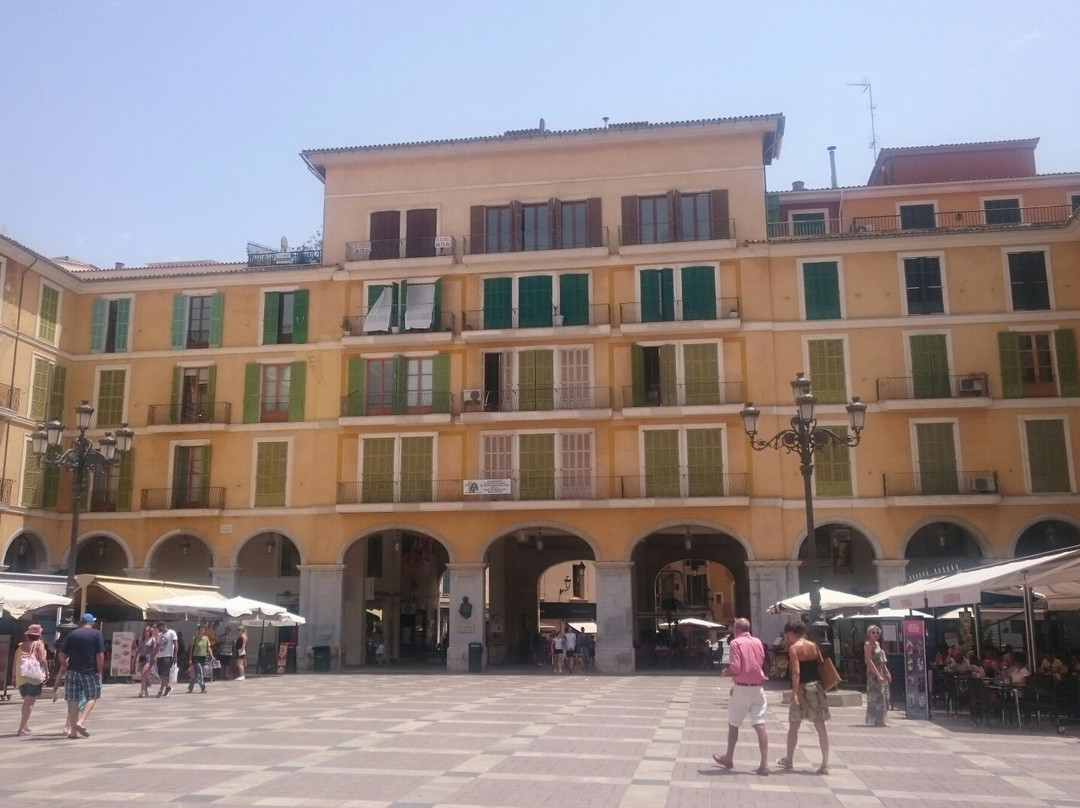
[(80, 458), (804, 438)]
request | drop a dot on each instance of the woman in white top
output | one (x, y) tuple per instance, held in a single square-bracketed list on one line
[(558, 651)]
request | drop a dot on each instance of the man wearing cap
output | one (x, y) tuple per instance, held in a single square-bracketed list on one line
[(747, 660), (82, 658)]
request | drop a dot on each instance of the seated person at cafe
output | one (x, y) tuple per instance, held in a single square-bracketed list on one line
[(991, 663), (975, 670), (957, 661), (1018, 674), (1051, 665), (1006, 665), (942, 655)]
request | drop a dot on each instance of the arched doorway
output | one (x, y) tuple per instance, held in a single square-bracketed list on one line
[(845, 558), (941, 547), (268, 569), (25, 554), (1045, 536), (184, 558), (100, 555)]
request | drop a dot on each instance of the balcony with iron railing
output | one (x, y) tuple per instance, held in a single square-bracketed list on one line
[(390, 249), (537, 317), (936, 221), (704, 393), (940, 483), (198, 338), (536, 399), (908, 388), (274, 412), (178, 499), (219, 412), (10, 397), (5, 491), (418, 402), (358, 325), (683, 485), (306, 257), (682, 311), (637, 235), (556, 239)]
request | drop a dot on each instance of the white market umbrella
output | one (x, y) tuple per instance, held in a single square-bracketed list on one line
[(17, 600), (831, 601), (694, 621), (202, 604), (885, 613), (254, 609)]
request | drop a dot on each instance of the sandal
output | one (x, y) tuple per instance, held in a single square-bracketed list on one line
[(823, 769), (785, 763), (719, 760)]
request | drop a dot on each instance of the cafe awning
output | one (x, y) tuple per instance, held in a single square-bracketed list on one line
[(18, 600), (136, 592)]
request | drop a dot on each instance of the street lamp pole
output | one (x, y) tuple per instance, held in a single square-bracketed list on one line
[(80, 458), (804, 438)]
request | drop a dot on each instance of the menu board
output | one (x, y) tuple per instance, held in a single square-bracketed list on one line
[(123, 648), (915, 676)]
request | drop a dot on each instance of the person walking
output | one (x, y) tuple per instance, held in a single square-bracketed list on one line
[(878, 679), (241, 652), (202, 655), (558, 650), (82, 660), (167, 643), (747, 668), (36, 666), (809, 701), (570, 641), (146, 653)]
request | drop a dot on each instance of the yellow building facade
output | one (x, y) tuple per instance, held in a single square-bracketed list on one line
[(526, 351)]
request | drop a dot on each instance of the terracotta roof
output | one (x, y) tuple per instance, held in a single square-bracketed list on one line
[(1029, 143)]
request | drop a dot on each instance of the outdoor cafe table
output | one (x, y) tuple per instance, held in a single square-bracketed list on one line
[(1009, 693)]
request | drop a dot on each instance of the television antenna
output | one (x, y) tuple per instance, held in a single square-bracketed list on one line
[(869, 90)]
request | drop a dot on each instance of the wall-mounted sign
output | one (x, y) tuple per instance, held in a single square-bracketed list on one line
[(444, 242), (486, 487), (355, 250)]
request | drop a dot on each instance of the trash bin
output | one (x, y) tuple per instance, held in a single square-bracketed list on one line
[(267, 660), (476, 657), (290, 659), (320, 658)]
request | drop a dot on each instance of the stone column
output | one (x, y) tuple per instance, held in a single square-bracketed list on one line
[(225, 579), (321, 596), (466, 581), (890, 572), (770, 581), (614, 617)]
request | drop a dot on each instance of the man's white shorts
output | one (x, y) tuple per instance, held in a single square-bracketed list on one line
[(746, 701)]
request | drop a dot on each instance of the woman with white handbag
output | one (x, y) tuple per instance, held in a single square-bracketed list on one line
[(31, 671)]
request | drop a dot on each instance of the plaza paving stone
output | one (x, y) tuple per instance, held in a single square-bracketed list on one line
[(403, 740)]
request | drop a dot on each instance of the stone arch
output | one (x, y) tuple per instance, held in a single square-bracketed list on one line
[(107, 536), (854, 524), (673, 524), (402, 526), (1068, 523), (36, 545), (172, 534), (234, 558), (973, 532), (540, 525)]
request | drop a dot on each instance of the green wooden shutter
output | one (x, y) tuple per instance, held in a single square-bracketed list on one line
[(181, 463), (211, 388), (937, 458), (179, 322), (637, 375), (401, 298), (832, 467), (498, 303), (98, 312), (661, 462), (929, 366), (297, 390), (123, 324), (377, 470), (669, 376), (271, 469), (271, 313), (1048, 456), (1065, 347), (416, 469), (535, 301), (1012, 385), (436, 307), (821, 289), (536, 456), (252, 392), (174, 401), (400, 383), (701, 367), (31, 479), (301, 300), (536, 380), (57, 388), (698, 293), (355, 381), (50, 486), (657, 295), (827, 373), (217, 315), (39, 390), (208, 454), (126, 480), (704, 463), (440, 383), (574, 299)]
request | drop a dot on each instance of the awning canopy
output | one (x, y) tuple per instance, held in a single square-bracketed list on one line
[(831, 600), (17, 600), (884, 613), (135, 592)]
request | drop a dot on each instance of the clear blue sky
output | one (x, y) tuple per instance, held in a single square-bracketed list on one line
[(136, 131)]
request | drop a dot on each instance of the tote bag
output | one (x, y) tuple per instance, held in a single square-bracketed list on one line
[(828, 674), (30, 670)]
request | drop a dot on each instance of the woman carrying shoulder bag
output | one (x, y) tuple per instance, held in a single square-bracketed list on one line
[(30, 665)]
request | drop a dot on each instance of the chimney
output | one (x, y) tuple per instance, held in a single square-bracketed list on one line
[(119, 265), (543, 126), (798, 185), (832, 164)]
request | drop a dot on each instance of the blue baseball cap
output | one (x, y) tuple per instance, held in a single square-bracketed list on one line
[(86, 618)]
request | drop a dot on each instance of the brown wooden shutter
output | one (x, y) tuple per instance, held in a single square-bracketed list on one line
[(385, 234), (594, 222), (631, 221), (516, 227), (554, 223), (719, 217), (477, 228), (674, 215)]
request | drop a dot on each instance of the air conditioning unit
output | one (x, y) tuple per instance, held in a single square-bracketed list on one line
[(971, 384), (472, 397), (983, 485)]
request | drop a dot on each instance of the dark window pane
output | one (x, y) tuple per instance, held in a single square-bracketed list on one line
[(808, 224), (654, 220), (1027, 277), (923, 280), (694, 217), (916, 217), (498, 229), (534, 227), (1002, 211), (573, 225)]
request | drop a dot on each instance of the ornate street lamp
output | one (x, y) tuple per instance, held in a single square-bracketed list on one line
[(804, 438), (80, 458)]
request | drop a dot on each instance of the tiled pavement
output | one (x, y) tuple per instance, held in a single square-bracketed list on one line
[(503, 741)]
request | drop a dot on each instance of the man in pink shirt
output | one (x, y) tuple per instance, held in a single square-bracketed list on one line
[(747, 661)]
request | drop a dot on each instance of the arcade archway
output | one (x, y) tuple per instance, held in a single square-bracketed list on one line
[(941, 546), (845, 558)]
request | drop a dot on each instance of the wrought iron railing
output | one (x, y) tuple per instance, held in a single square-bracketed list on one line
[(388, 249), (220, 412), (5, 491), (806, 229), (357, 325), (902, 388), (420, 402), (940, 483), (703, 483), (10, 397), (693, 394), (633, 235), (176, 499), (682, 310), (198, 339), (556, 239), (287, 258), (481, 319), (528, 399), (273, 412)]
